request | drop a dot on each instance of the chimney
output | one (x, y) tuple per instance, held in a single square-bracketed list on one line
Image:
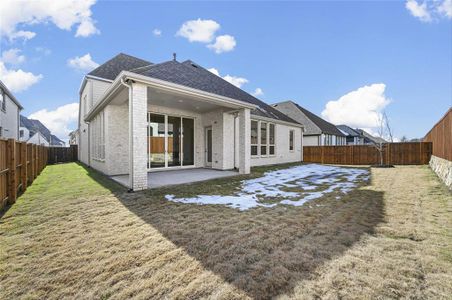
[(174, 56)]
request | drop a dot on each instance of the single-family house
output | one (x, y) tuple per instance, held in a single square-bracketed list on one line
[(359, 136), (353, 137), (34, 132), (138, 117), (317, 131), (9, 113), (73, 137)]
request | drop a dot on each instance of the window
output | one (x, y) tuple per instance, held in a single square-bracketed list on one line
[(291, 140), (254, 138), (271, 139), (263, 138), (21, 133), (98, 137), (3, 99), (85, 105)]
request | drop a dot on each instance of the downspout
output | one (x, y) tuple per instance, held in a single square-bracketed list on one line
[(129, 86)]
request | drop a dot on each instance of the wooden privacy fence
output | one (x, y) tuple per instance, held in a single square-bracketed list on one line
[(20, 164), (62, 154), (393, 154), (441, 137)]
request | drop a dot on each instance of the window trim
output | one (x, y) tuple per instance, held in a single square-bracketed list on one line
[(259, 140), (292, 138), (3, 104)]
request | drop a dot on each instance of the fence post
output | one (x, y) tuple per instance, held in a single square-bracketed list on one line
[(12, 185), (23, 162)]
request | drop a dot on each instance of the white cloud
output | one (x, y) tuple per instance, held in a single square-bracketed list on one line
[(360, 108), (258, 92), (157, 32), (86, 28), (43, 50), (63, 13), (418, 10), (446, 8), (214, 71), (12, 57), (223, 43), (17, 80), (237, 81), (199, 30), (427, 11), (59, 121), (82, 63)]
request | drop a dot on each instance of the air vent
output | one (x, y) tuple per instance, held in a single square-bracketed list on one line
[(193, 65)]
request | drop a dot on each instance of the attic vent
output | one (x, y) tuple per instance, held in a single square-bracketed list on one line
[(193, 65)]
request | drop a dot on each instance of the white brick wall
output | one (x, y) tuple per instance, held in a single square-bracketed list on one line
[(283, 154), (117, 139), (137, 142)]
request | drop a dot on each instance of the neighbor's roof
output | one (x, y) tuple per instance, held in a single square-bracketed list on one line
[(348, 130), (121, 62), (324, 126), (187, 74), (372, 138), (10, 95), (35, 126)]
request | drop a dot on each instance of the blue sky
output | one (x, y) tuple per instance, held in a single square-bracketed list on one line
[(364, 57)]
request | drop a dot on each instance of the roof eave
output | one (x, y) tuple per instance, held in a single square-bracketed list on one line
[(161, 84)]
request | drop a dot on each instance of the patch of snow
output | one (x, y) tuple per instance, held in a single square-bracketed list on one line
[(308, 178)]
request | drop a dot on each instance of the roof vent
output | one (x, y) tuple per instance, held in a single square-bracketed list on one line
[(174, 56), (194, 65)]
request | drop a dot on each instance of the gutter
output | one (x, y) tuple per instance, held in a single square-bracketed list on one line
[(167, 86)]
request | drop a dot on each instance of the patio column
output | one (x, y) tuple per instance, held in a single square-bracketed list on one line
[(244, 141), (138, 177)]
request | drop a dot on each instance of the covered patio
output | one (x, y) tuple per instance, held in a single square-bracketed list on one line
[(180, 176)]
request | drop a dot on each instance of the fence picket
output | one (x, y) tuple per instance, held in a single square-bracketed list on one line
[(21, 163)]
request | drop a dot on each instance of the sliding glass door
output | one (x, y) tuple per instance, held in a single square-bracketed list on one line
[(171, 141)]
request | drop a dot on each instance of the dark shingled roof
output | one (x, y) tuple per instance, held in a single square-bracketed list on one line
[(121, 62), (36, 126), (350, 131), (325, 126), (192, 75)]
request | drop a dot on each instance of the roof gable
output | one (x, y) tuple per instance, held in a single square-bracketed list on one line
[(324, 126), (121, 62), (193, 75)]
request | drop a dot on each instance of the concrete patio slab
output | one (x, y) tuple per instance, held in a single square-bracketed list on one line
[(174, 177)]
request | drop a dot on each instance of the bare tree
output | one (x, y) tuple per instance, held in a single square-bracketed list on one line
[(384, 132)]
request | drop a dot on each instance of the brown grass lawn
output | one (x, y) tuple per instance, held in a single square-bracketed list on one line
[(75, 234)]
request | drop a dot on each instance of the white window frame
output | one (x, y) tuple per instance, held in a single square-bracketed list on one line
[(265, 145), (3, 104), (274, 139), (257, 138), (292, 138), (98, 137)]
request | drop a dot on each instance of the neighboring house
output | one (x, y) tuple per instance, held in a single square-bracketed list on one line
[(73, 137), (9, 113), (317, 131), (353, 137), (136, 116), (33, 131), (359, 136), (370, 139)]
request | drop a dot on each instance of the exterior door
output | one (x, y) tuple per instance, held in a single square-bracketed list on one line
[(209, 147)]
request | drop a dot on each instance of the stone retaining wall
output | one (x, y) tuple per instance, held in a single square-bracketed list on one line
[(443, 168)]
